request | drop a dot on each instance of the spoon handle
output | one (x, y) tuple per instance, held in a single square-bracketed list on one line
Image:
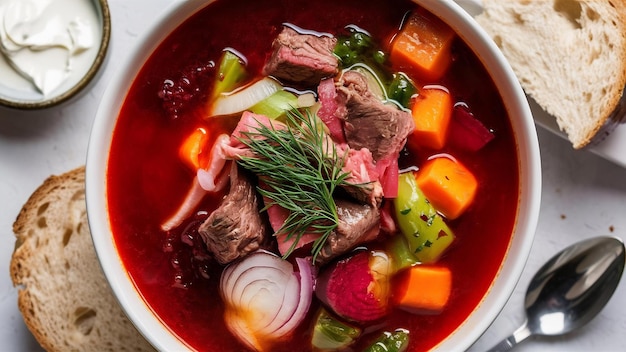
[(508, 343)]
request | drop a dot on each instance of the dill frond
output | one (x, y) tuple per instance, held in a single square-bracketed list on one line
[(300, 169)]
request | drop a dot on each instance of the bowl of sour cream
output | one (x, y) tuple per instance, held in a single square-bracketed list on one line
[(50, 50)]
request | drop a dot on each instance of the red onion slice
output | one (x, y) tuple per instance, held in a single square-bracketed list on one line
[(209, 178), (190, 203), (265, 299), (307, 286)]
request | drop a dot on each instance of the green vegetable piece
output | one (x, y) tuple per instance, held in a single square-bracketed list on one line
[(397, 341), (230, 73), (347, 56), (276, 105), (331, 334), (360, 41), (426, 233), (357, 47), (380, 57), (400, 253), (401, 89)]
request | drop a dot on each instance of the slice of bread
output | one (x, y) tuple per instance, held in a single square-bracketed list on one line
[(569, 55), (63, 295)]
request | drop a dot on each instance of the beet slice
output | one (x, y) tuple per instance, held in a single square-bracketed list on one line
[(466, 131), (356, 288)]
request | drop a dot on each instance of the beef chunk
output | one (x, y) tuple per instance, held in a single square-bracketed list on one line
[(363, 184), (302, 58), (358, 223), (235, 228), (369, 123)]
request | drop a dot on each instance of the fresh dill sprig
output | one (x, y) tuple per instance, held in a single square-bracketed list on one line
[(299, 168)]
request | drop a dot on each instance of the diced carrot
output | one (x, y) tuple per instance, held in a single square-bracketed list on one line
[(190, 151), (448, 185), (426, 289), (432, 113), (423, 45)]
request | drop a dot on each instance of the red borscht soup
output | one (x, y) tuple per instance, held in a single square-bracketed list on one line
[(289, 175)]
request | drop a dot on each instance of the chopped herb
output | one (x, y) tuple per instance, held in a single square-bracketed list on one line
[(300, 169), (425, 244), (405, 211), (431, 219)]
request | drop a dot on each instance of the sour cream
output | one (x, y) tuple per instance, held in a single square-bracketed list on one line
[(46, 46)]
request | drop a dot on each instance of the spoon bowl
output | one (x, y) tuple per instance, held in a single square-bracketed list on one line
[(570, 289)]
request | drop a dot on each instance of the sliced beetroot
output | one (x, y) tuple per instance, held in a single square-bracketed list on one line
[(356, 288), (466, 131)]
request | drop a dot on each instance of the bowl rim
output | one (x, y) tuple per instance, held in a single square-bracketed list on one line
[(529, 165), (104, 15), (156, 331)]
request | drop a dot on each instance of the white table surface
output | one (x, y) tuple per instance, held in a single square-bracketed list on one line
[(583, 196)]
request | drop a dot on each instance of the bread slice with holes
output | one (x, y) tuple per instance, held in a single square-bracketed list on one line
[(569, 55), (62, 293)]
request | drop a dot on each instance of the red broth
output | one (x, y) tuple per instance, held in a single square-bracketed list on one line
[(146, 180)]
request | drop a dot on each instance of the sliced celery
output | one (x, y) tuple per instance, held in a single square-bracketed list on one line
[(426, 233), (331, 334), (276, 105), (230, 73)]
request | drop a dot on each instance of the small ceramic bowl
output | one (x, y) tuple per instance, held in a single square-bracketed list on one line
[(523, 129), (19, 92)]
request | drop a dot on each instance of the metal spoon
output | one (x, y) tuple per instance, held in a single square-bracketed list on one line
[(570, 289)]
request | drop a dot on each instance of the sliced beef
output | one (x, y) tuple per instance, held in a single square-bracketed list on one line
[(327, 96), (364, 184), (236, 227), (277, 217), (358, 223), (369, 123), (305, 59)]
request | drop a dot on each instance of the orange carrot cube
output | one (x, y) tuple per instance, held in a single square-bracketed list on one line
[(423, 45), (432, 112), (192, 148), (427, 289), (448, 185)]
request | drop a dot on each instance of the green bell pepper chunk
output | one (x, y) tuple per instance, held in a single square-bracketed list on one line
[(426, 233), (397, 341), (332, 334), (401, 255), (401, 89)]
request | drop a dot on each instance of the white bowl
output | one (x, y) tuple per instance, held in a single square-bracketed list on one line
[(516, 104)]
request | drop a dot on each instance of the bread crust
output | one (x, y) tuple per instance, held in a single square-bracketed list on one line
[(528, 32), (63, 295), (616, 94)]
